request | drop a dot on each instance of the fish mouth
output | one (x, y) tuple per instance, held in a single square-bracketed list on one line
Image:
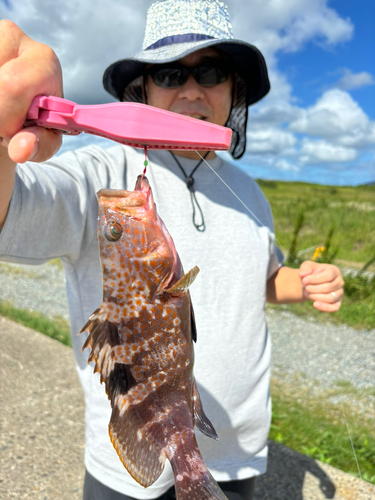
[(126, 201)]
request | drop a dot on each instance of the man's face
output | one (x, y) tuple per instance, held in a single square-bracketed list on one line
[(212, 104)]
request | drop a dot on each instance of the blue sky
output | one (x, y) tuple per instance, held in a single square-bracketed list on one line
[(318, 122)]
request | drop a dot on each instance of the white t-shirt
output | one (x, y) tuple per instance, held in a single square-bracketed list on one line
[(53, 213)]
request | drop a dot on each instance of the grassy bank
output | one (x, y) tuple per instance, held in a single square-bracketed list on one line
[(310, 424), (57, 328), (351, 210)]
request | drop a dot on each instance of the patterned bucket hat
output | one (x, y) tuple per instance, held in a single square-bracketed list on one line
[(177, 28)]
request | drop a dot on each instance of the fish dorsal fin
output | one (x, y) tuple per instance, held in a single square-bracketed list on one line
[(200, 419), (183, 284)]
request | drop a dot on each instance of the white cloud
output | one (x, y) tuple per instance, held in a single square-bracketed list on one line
[(286, 166), (322, 151), (270, 141), (288, 24), (350, 80), (336, 116)]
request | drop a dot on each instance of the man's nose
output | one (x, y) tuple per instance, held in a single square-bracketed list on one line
[(191, 89)]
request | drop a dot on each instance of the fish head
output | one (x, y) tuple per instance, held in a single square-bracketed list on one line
[(134, 242)]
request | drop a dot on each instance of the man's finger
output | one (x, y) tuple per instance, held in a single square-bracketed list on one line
[(325, 307), (327, 287), (327, 298), (34, 144), (323, 275)]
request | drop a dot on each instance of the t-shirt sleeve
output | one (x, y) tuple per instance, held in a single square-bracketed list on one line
[(53, 209), (276, 258)]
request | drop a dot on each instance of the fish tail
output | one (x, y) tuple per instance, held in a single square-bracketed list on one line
[(193, 481)]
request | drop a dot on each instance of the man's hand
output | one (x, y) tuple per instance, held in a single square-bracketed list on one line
[(27, 69), (323, 284)]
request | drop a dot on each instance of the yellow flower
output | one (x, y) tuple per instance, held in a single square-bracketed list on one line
[(318, 252)]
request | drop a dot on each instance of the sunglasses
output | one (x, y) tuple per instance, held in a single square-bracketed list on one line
[(206, 74)]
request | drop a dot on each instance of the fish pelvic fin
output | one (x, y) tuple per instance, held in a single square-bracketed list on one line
[(183, 283), (138, 451), (193, 481), (201, 421)]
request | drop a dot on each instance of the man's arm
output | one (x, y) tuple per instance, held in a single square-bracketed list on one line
[(321, 283), (27, 69)]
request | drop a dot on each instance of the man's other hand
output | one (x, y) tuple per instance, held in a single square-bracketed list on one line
[(323, 284)]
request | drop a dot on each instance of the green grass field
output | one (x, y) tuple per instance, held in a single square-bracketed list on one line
[(350, 209)]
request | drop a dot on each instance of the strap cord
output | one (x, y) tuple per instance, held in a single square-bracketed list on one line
[(189, 179)]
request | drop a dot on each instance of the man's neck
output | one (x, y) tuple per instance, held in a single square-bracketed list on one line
[(192, 155)]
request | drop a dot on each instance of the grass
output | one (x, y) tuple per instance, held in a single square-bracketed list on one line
[(56, 328), (17, 271), (350, 209), (315, 427)]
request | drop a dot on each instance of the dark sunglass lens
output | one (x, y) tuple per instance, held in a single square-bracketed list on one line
[(168, 77), (208, 76)]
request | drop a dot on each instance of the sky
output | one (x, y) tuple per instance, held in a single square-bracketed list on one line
[(318, 122)]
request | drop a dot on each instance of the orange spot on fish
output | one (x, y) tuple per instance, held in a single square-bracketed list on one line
[(135, 241), (127, 230)]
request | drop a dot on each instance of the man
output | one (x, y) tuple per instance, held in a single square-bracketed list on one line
[(192, 65)]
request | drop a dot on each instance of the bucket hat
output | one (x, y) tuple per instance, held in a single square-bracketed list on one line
[(177, 28)]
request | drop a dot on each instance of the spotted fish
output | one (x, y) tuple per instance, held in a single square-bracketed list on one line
[(141, 341)]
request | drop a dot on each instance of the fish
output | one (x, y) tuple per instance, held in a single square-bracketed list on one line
[(141, 339)]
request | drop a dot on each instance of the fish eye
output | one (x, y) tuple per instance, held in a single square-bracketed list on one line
[(112, 231)]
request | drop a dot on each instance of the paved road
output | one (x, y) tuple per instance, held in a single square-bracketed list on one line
[(42, 432)]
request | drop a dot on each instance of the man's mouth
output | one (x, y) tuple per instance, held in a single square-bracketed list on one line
[(197, 116)]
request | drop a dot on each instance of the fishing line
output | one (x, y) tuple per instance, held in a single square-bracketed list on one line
[(145, 163), (239, 199), (260, 222), (352, 444)]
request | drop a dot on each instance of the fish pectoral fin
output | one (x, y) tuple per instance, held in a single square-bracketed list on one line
[(138, 451), (200, 419), (103, 335), (183, 284)]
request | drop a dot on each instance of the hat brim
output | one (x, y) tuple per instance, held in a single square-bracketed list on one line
[(248, 61)]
